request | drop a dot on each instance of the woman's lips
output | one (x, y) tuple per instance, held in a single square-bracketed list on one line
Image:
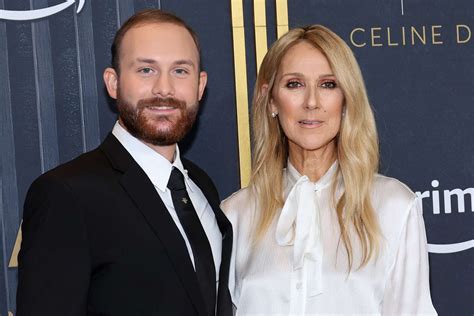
[(310, 123)]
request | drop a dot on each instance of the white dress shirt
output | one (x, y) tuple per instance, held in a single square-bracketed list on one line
[(301, 267), (158, 169)]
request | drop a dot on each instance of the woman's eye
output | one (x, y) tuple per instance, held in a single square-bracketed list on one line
[(293, 84), (329, 84)]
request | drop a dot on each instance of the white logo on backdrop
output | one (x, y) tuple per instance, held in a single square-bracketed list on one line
[(433, 197), (25, 15), (450, 248)]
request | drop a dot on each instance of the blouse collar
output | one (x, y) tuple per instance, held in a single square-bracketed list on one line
[(292, 176)]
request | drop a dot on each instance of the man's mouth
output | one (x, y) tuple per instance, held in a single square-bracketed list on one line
[(159, 107)]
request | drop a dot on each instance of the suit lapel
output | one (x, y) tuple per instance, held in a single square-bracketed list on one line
[(224, 305), (140, 189)]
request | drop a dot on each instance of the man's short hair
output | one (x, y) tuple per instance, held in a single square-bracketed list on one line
[(147, 16)]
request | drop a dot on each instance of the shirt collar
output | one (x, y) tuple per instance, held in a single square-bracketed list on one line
[(157, 168), (293, 176)]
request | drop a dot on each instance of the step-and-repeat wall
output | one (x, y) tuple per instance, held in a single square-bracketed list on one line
[(417, 57)]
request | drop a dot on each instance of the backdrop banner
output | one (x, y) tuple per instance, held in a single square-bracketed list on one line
[(417, 58)]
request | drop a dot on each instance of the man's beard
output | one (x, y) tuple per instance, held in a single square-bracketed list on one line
[(146, 127)]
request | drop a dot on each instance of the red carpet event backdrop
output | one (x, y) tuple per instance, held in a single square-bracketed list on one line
[(417, 57)]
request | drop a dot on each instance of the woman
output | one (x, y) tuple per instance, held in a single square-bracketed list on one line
[(318, 231)]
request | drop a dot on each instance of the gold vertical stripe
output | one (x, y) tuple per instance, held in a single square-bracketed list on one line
[(260, 22), (16, 249), (282, 17), (241, 94)]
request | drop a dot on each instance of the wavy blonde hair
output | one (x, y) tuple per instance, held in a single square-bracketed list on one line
[(357, 143)]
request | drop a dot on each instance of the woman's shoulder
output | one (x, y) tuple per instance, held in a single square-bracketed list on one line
[(393, 202), (239, 203), (390, 189)]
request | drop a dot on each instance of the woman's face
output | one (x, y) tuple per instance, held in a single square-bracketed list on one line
[(308, 100)]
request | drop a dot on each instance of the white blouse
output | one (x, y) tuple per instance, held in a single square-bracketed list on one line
[(301, 266)]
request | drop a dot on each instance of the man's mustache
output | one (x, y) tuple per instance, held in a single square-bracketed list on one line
[(161, 102)]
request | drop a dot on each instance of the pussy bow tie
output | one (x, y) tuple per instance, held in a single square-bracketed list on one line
[(299, 226)]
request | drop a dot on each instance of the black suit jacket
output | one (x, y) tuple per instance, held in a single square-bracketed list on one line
[(98, 240)]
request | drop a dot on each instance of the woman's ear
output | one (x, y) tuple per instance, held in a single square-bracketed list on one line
[(264, 90)]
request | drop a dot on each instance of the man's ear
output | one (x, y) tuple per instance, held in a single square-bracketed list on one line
[(111, 82), (263, 91), (202, 84)]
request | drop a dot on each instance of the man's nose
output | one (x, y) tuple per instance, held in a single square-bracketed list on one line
[(163, 86)]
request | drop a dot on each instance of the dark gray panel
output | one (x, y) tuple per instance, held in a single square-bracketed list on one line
[(250, 49), (87, 78), (271, 22), (4, 287), (44, 86), (66, 84), (27, 163), (7, 157), (23, 106), (145, 4), (105, 25), (124, 9), (9, 211)]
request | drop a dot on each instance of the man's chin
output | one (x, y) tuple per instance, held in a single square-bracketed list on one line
[(161, 139), (162, 135), (162, 122), (161, 127)]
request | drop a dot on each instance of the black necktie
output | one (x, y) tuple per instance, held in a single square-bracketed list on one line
[(203, 260)]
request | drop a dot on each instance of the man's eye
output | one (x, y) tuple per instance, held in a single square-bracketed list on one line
[(293, 84), (329, 84), (146, 70), (181, 71)]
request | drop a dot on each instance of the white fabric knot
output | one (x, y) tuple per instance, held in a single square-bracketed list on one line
[(299, 226)]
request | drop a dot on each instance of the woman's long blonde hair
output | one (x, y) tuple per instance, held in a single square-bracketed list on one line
[(357, 142)]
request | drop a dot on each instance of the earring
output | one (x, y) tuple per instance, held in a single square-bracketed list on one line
[(274, 114)]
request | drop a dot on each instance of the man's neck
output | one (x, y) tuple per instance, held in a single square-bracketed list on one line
[(166, 151)]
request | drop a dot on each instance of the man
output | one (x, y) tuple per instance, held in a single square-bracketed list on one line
[(132, 228)]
